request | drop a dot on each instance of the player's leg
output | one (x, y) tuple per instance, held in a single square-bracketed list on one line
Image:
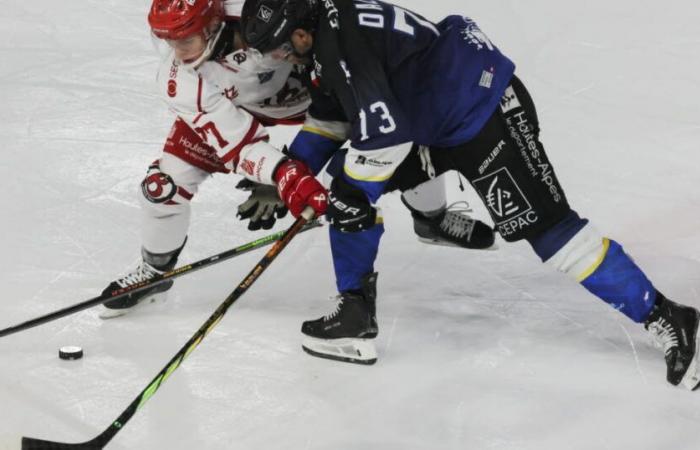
[(347, 333), (515, 179), (423, 192), (164, 194)]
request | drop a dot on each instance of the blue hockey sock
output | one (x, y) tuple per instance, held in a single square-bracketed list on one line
[(574, 247)]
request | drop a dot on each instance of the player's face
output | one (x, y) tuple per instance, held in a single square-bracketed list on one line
[(302, 42), (190, 48)]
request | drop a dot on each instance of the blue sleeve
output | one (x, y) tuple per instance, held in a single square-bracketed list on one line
[(313, 148)]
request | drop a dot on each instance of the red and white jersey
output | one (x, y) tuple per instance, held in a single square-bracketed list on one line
[(227, 102)]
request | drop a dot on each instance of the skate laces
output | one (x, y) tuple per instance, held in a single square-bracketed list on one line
[(143, 272), (338, 306), (457, 222), (663, 335)]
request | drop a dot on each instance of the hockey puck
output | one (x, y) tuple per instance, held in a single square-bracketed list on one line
[(70, 353)]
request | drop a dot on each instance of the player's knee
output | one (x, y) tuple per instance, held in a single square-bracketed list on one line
[(349, 209), (160, 195)]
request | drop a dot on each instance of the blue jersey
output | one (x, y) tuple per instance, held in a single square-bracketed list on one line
[(392, 77), (400, 78)]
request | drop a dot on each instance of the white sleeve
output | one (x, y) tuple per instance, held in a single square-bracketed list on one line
[(238, 138)]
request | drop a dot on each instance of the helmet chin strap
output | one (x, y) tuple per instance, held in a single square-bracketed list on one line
[(211, 42)]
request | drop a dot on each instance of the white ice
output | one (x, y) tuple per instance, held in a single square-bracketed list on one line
[(477, 350)]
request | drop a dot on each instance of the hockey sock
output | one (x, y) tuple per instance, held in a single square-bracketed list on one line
[(601, 266)]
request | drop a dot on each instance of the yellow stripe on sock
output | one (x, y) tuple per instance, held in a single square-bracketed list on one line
[(589, 271)]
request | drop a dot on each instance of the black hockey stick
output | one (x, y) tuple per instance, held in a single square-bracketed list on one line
[(119, 293), (103, 439)]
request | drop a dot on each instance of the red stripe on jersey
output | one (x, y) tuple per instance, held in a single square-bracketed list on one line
[(247, 140), (184, 194)]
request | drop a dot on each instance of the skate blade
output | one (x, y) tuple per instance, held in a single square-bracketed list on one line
[(110, 313), (691, 379), (442, 243), (352, 350)]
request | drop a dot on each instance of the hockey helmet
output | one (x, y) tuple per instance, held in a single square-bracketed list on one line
[(268, 24), (177, 19)]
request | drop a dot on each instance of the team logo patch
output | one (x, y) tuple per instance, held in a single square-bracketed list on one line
[(239, 57), (172, 88), (509, 101), (265, 14), (158, 187)]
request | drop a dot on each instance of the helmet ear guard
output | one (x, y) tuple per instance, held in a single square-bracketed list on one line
[(268, 24)]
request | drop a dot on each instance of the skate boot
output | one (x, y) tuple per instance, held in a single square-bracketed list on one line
[(347, 333), (152, 265), (674, 328), (453, 227)]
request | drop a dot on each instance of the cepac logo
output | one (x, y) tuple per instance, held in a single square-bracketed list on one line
[(502, 195), (265, 14), (509, 101)]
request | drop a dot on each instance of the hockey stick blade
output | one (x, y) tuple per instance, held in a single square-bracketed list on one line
[(106, 436), (175, 273), (38, 444)]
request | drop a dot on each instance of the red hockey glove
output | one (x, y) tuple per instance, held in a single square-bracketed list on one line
[(299, 188)]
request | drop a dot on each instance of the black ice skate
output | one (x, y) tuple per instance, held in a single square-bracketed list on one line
[(347, 333), (151, 266), (453, 227), (674, 328)]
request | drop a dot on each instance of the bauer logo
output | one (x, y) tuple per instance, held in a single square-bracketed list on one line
[(509, 101), (502, 196), (265, 14)]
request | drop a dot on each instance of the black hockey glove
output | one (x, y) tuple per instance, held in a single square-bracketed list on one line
[(349, 209), (263, 207)]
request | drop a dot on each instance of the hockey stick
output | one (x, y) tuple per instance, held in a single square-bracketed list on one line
[(103, 439), (175, 273)]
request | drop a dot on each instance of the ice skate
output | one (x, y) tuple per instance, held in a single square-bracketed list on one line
[(347, 334), (151, 266), (453, 227), (674, 328)]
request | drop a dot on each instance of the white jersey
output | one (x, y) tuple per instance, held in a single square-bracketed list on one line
[(226, 100)]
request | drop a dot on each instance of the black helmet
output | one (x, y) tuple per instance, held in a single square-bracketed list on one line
[(267, 24)]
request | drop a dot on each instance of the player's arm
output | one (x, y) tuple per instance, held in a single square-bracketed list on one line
[(241, 143)]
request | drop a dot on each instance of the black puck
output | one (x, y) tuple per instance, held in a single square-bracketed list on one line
[(70, 353)]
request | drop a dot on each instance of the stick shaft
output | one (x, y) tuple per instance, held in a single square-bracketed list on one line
[(101, 440), (175, 273)]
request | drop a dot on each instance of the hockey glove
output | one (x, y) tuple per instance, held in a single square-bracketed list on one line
[(349, 209), (298, 188), (263, 207)]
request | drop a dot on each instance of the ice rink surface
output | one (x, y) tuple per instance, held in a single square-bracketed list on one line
[(477, 350)]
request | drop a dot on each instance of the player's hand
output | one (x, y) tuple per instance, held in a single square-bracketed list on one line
[(299, 188), (263, 207)]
